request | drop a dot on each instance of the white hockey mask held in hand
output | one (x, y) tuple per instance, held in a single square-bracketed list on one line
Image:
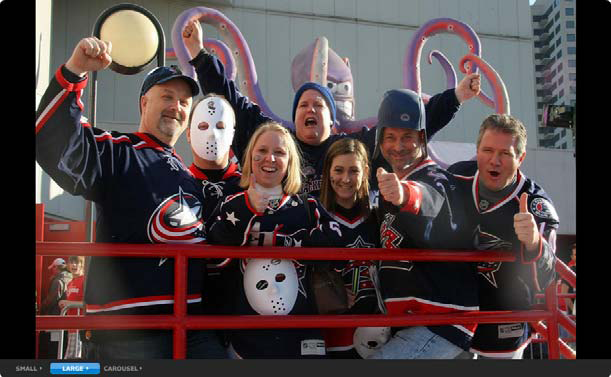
[(212, 128), (271, 285), (368, 340)]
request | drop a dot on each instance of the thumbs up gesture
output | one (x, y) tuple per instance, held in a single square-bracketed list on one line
[(525, 226), (390, 187), (257, 200)]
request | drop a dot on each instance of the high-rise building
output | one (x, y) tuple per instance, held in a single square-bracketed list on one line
[(555, 78)]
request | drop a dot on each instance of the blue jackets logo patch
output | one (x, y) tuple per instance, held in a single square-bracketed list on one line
[(178, 219)]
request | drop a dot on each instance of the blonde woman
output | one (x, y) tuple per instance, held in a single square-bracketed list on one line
[(271, 178)]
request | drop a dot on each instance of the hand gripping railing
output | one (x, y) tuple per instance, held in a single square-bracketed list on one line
[(180, 322)]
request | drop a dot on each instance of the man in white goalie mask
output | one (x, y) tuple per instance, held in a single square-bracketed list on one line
[(210, 134)]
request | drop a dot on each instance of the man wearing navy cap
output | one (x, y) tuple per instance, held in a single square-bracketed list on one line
[(143, 194)]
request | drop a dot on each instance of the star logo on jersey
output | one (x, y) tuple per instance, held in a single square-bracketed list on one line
[(488, 270), (389, 237), (177, 220), (231, 217), (488, 241), (359, 242)]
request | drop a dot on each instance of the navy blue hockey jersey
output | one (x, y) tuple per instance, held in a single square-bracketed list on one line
[(351, 229), (143, 194), (434, 217), (440, 111), (215, 186), (509, 285), (236, 223)]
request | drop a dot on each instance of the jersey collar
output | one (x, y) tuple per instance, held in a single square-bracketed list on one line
[(475, 190)]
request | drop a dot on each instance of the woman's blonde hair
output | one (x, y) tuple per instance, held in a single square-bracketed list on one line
[(344, 146), (291, 184)]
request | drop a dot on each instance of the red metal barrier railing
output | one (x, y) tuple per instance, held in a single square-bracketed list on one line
[(180, 322)]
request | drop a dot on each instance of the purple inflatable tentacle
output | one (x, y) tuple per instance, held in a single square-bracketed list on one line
[(179, 47), (501, 98), (411, 66), (224, 54), (447, 67), (240, 52)]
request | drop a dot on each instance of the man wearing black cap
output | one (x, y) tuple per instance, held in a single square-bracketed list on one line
[(421, 206), (313, 110), (143, 194)]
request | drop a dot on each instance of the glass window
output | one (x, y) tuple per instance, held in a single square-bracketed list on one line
[(569, 11), (572, 63), (570, 37), (570, 24), (572, 50)]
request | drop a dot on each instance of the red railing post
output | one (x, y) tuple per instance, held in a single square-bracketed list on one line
[(180, 305), (40, 233), (551, 301)]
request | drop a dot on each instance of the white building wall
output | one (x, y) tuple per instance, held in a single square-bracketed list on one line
[(374, 36)]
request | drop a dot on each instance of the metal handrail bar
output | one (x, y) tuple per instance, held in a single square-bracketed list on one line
[(245, 252), (179, 322)]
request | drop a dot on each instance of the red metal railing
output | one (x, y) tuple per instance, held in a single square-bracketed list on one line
[(180, 322)]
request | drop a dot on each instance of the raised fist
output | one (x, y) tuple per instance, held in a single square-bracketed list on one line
[(90, 54)]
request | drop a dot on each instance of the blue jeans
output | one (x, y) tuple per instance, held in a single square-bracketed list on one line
[(419, 343), (201, 344)]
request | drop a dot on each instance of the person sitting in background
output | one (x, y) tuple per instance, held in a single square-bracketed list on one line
[(50, 306), (74, 296)]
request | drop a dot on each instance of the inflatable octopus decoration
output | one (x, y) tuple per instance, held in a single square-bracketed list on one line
[(319, 63)]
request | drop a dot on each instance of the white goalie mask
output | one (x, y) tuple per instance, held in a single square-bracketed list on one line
[(368, 340), (271, 285), (212, 127)]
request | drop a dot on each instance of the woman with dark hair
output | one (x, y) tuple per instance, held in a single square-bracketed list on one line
[(346, 221)]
